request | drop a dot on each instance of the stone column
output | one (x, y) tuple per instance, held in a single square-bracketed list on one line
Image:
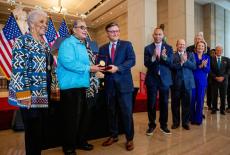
[(142, 18), (209, 25), (180, 21), (219, 24), (227, 33)]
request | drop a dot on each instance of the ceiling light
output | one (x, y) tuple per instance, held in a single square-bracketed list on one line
[(83, 16), (11, 2), (38, 7)]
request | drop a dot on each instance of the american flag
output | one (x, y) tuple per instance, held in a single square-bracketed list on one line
[(9, 33), (51, 34), (63, 29)]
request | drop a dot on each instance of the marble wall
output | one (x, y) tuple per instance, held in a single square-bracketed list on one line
[(100, 35), (198, 18), (227, 33), (219, 25)]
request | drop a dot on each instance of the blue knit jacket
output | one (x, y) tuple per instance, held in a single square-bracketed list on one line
[(29, 69)]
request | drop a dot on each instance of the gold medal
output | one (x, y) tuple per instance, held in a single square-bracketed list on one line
[(102, 63)]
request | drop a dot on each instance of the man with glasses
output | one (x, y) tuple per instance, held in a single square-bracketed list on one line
[(119, 84)]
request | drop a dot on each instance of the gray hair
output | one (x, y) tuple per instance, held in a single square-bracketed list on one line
[(219, 46), (32, 16)]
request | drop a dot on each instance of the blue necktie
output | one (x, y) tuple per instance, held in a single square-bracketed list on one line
[(218, 63)]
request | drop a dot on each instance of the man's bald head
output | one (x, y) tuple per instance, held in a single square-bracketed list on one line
[(180, 44), (158, 35)]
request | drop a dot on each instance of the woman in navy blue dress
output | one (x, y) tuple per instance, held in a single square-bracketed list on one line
[(200, 77)]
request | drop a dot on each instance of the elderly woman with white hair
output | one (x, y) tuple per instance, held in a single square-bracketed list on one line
[(29, 88)]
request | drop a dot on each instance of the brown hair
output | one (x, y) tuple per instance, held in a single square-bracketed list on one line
[(111, 25)]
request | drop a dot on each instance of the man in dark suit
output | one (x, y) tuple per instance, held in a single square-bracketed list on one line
[(158, 60), (183, 83), (219, 74), (119, 84)]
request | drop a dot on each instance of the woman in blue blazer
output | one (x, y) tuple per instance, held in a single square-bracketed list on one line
[(200, 77)]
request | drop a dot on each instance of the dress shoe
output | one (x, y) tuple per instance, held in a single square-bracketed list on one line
[(85, 146), (203, 116), (129, 145), (175, 126), (70, 152), (186, 127), (195, 123), (228, 110), (110, 141), (150, 130), (213, 112), (222, 112), (165, 130)]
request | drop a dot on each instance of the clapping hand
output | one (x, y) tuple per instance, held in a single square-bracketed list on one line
[(156, 54), (204, 63), (164, 54), (184, 58)]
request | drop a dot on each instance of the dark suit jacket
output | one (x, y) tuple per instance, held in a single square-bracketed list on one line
[(154, 66), (192, 49), (223, 71), (124, 60), (183, 72)]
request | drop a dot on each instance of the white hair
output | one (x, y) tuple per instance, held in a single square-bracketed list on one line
[(219, 46), (32, 16)]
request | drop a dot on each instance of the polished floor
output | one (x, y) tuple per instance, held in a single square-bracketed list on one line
[(211, 138)]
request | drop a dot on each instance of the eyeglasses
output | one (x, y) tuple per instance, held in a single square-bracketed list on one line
[(81, 27), (114, 31)]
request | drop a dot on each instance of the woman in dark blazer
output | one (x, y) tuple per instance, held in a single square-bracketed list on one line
[(200, 77)]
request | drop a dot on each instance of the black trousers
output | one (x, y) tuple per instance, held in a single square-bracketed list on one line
[(86, 119), (151, 104), (181, 97), (220, 87), (228, 94), (34, 120), (72, 101)]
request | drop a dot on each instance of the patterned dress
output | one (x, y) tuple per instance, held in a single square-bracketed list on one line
[(30, 61)]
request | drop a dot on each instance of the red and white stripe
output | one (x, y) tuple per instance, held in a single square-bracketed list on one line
[(6, 55)]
